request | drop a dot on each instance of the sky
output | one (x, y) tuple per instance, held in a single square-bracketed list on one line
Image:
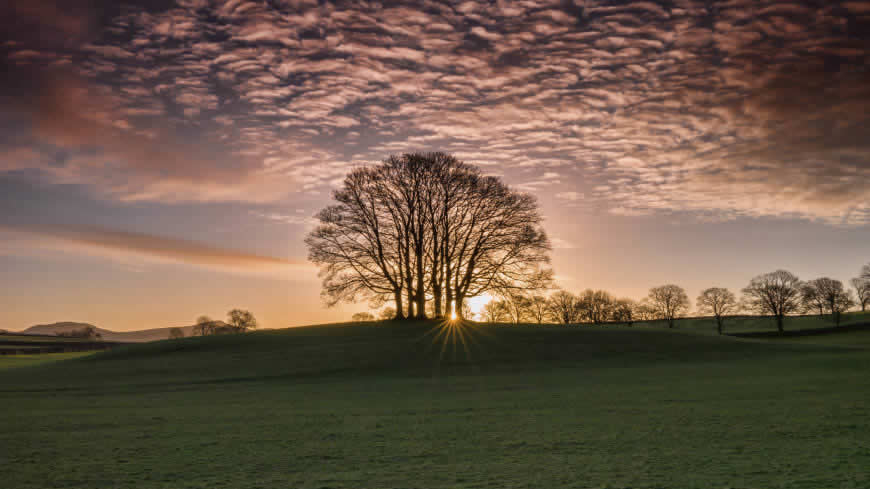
[(163, 160)]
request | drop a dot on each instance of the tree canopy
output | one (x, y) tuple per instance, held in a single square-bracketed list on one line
[(427, 229)]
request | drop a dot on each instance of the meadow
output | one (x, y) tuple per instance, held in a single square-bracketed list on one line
[(431, 405)]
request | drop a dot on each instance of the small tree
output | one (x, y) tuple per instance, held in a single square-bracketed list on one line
[(387, 313), (517, 306), (175, 333), (204, 326), (719, 302), (669, 302), (537, 308), (496, 311), (812, 298), (777, 294), (623, 311), (644, 311), (362, 317), (564, 307), (835, 297), (241, 321), (595, 305), (862, 291)]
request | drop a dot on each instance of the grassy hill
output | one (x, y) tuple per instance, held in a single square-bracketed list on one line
[(412, 405)]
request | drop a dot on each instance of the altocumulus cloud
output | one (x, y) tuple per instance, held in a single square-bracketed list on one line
[(728, 108)]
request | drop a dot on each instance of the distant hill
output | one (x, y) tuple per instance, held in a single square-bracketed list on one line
[(140, 336)]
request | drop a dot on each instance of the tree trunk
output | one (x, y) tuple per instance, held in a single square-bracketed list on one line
[(779, 323), (436, 299), (457, 306), (398, 297), (719, 324)]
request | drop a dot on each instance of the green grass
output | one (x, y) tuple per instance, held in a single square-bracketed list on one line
[(395, 406), (16, 361)]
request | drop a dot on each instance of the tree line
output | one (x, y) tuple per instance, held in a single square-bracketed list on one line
[(426, 231), (776, 294)]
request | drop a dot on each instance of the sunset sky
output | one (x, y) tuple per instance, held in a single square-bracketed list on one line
[(163, 160)]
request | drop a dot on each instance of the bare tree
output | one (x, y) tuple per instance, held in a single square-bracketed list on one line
[(862, 291), (422, 226), (812, 299), (537, 308), (644, 311), (564, 307), (362, 317), (776, 294), (517, 305), (669, 302), (624, 311), (595, 305), (204, 326), (387, 313), (835, 297), (241, 321), (359, 243), (719, 302), (175, 333), (496, 311)]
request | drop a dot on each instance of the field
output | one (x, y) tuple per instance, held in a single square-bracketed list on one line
[(430, 406)]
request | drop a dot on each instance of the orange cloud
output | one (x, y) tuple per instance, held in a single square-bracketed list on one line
[(138, 248)]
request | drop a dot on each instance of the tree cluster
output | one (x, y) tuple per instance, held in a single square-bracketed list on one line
[(238, 321), (427, 231), (87, 332)]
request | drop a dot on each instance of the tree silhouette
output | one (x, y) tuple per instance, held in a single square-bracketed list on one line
[(204, 326), (719, 302), (175, 333), (420, 226), (831, 294), (361, 317), (241, 321), (861, 284), (669, 302), (564, 307), (776, 293), (595, 306)]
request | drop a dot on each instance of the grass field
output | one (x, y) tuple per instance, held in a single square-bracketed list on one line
[(408, 406)]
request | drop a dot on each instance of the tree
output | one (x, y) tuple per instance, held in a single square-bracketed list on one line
[(862, 291), (537, 308), (719, 302), (776, 294), (204, 326), (422, 226), (387, 313), (241, 321), (495, 311), (362, 317), (175, 333), (517, 306), (811, 297), (833, 295), (644, 311), (623, 311), (564, 307), (595, 305), (669, 302)]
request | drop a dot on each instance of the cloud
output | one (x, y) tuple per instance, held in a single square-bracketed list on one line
[(731, 108), (136, 248)]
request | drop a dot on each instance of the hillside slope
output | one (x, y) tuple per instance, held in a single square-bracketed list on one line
[(416, 348)]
